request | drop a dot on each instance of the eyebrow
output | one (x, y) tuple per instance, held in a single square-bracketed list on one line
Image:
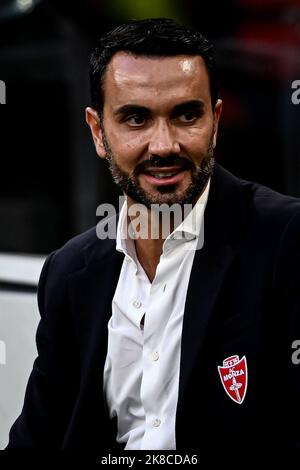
[(126, 109), (130, 109), (192, 105)]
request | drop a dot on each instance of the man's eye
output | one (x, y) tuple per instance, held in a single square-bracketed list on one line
[(136, 120), (190, 116)]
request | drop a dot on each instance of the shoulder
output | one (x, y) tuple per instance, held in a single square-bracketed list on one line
[(78, 252), (269, 203), (272, 213), (263, 204), (71, 255)]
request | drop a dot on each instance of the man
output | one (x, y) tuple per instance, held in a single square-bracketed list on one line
[(168, 342)]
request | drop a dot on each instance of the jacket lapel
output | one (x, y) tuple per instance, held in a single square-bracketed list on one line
[(223, 225), (91, 292)]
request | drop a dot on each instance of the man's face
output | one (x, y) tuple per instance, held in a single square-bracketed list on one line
[(158, 129)]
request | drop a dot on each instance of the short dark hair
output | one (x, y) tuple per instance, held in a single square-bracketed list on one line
[(160, 37)]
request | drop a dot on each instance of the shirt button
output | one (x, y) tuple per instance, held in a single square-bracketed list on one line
[(137, 303), (156, 423), (155, 356)]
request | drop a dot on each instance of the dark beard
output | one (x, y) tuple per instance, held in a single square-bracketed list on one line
[(131, 187)]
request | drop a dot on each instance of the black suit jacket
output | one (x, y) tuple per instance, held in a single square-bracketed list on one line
[(243, 299)]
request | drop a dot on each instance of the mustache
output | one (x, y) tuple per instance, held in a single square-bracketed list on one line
[(160, 162)]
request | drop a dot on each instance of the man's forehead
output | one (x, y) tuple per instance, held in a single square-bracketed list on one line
[(128, 69)]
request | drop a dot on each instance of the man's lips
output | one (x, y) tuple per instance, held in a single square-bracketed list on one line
[(164, 176)]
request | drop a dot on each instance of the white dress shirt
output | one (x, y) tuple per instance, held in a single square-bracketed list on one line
[(141, 373)]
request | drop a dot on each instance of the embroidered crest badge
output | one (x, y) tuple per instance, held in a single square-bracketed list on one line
[(234, 377)]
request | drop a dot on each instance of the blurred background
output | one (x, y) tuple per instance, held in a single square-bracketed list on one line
[(51, 178)]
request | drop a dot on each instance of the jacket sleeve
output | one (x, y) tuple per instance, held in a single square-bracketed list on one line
[(288, 313), (44, 416)]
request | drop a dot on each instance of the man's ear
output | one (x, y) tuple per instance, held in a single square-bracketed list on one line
[(92, 119), (217, 114)]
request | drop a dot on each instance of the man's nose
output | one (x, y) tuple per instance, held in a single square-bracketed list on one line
[(163, 141)]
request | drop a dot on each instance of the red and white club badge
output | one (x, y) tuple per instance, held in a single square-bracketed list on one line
[(234, 377)]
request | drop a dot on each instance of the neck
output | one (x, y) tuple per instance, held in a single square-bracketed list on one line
[(151, 227), (150, 234)]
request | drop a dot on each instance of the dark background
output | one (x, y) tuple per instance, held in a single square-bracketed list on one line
[(51, 178)]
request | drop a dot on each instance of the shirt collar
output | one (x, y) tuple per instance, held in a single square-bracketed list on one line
[(191, 224), (124, 243), (189, 229)]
